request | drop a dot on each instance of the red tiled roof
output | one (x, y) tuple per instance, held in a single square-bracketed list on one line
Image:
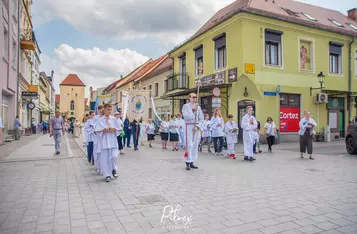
[(165, 65), (73, 80), (146, 69), (274, 10), (58, 97)]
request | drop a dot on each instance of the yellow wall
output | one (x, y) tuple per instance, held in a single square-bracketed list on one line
[(68, 93), (245, 43)]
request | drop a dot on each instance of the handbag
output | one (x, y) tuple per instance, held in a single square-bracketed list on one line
[(122, 133)]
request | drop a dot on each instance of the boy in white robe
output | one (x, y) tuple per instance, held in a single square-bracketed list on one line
[(231, 130), (192, 130), (88, 136), (181, 127), (107, 128), (96, 141), (206, 133), (249, 124)]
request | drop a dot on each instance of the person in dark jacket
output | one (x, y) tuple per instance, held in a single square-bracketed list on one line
[(127, 130), (135, 131)]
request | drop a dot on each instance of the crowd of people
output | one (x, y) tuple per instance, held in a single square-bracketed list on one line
[(106, 134)]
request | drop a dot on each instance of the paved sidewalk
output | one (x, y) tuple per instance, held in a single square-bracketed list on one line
[(9, 147), (279, 193)]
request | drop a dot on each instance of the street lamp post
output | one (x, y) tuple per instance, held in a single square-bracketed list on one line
[(321, 79)]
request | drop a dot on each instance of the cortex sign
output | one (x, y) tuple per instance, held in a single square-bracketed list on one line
[(289, 119), (289, 115)]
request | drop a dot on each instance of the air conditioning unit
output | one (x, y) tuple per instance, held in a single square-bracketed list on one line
[(321, 98)]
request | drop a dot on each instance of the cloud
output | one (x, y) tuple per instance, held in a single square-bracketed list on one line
[(96, 68), (170, 21)]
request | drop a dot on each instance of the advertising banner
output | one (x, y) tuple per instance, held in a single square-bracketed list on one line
[(289, 119), (139, 102)]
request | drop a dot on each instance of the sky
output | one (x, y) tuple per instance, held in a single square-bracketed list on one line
[(100, 40)]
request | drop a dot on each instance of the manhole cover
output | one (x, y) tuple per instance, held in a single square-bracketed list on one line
[(48, 144), (172, 160), (152, 199), (313, 170)]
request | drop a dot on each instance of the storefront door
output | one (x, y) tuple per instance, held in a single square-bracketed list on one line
[(242, 105), (336, 115)]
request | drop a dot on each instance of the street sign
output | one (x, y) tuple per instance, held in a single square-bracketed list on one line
[(278, 89), (29, 95), (249, 68), (33, 88), (216, 92), (269, 93), (216, 102)]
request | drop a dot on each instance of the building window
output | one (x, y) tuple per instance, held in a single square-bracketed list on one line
[(335, 58), (166, 87), (352, 26), (150, 87), (156, 89), (199, 60), (6, 43), (273, 55), (182, 77), (150, 113), (306, 55), (290, 12), (220, 51), (14, 52), (72, 105), (336, 23)]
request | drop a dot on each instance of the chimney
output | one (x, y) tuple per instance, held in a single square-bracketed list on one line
[(352, 14)]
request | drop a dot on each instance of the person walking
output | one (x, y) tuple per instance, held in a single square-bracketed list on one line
[(307, 125), (249, 124), (164, 132), (231, 130), (120, 132), (193, 117), (257, 140), (181, 128), (127, 130), (206, 133), (270, 132), (17, 128), (150, 131), (142, 131), (217, 131), (173, 129), (57, 130), (88, 135), (135, 131), (44, 127), (77, 128)]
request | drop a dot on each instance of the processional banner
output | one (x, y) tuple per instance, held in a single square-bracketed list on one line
[(138, 104)]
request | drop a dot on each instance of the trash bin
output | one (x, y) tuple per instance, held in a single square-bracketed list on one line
[(277, 138)]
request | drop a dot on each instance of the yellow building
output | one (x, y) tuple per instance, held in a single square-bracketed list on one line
[(44, 97), (271, 55), (72, 91)]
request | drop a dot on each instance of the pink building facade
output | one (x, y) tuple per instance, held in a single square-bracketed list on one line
[(9, 47)]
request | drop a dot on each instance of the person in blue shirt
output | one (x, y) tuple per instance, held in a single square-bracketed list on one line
[(127, 130), (44, 127)]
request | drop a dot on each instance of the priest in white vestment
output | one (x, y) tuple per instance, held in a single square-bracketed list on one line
[(249, 124), (192, 130), (107, 128)]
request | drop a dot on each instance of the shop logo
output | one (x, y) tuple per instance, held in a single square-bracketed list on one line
[(289, 115)]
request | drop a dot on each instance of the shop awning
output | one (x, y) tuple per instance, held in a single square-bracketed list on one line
[(338, 93), (204, 91)]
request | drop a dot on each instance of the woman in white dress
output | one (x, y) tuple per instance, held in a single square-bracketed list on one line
[(142, 131), (77, 128)]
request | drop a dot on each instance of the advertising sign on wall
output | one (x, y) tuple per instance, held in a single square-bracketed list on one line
[(289, 119)]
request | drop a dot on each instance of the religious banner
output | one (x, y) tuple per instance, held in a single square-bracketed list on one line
[(139, 102), (103, 99)]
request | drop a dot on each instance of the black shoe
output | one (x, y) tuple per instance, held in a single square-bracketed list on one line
[(188, 166), (252, 159), (150, 145), (255, 153), (210, 151), (107, 179), (312, 158), (92, 162), (193, 166), (115, 174), (128, 146), (57, 152), (246, 158), (301, 156)]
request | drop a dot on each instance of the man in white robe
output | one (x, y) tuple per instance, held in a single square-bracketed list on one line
[(249, 124), (107, 128), (192, 130), (96, 141), (181, 127)]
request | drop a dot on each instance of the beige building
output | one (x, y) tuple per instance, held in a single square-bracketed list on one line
[(45, 97), (72, 91)]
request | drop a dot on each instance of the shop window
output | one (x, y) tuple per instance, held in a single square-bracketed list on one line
[(273, 54), (306, 55), (335, 58), (220, 51), (292, 100), (199, 60)]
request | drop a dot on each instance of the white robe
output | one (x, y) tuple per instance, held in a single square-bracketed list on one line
[(231, 136), (192, 138), (217, 131), (89, 130), (96, 147), (248, 134), (181, 130), (109, 144), (206, 128)]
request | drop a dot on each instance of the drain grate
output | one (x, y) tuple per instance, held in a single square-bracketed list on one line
[(152, 199), (313, 170)]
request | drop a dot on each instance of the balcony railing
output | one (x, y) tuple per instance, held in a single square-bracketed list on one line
[(177, 81), (28, 39)]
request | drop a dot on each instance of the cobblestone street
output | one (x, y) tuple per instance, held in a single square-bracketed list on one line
[(279, 193)]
